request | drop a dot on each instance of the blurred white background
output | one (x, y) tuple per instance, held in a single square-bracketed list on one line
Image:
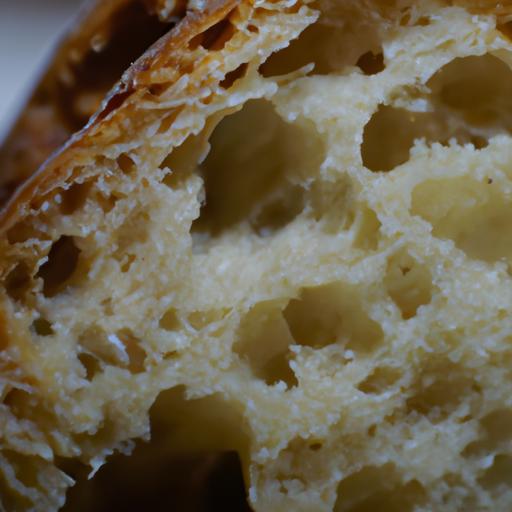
[(28, 31)]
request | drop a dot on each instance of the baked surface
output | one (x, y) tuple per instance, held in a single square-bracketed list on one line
[(286, 233), (101, 43)]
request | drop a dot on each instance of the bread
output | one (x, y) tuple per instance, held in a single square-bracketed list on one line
[(285, 234), (103, 41)]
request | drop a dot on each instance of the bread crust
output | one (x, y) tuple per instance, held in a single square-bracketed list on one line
[(61, 102), (119, 104)]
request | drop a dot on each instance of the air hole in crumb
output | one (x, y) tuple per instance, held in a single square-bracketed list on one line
[(478, 89), (91, 365), (413, 18), (367, 229), (378, 488), (106, 203), (125, 163), (479, 141), (26, 468), (408, 283), (174, 179), (206, 100), (263, 341), (158, 89), (132, 235), (74, 198), (153, 478), (170, 321), (387, 138), (121, 349), (256, 159), (233, 76), (23, 231), (171, 355), (178, 467), (403, 498), (199, 320), (253, 29), (134, 351), (470, 101), (380, 380), (406, 18), (315, 446), (168, 121), (60, 266), (423, 21), (215, 37), (331, 314), (17, 400), (127, 262), (371, 63), (72, 467), (107, 306), (498, 425), (440, 387), (40, 203), (326, 46), (278, 211), (42, 327), (499, 474), (18, 281), (506, 29), (183, 160), (114, 102), (496, 429), (332, 204), (475, 215), (391, 132)]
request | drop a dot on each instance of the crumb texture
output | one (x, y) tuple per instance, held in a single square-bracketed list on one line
[(291, 241)]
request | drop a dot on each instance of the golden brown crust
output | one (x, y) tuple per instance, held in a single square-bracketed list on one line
[(103, 41), (104, 125)]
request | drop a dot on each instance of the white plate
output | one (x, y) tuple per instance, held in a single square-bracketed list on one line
[(28, 31)]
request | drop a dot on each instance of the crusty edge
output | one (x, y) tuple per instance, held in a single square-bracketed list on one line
[(117, 106), (94, 24)]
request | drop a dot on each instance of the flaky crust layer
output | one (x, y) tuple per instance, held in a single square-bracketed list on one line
[(103, 127), (104, 39)]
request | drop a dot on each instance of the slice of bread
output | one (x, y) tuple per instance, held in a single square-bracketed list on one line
[(285, 233), (102, 42)]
